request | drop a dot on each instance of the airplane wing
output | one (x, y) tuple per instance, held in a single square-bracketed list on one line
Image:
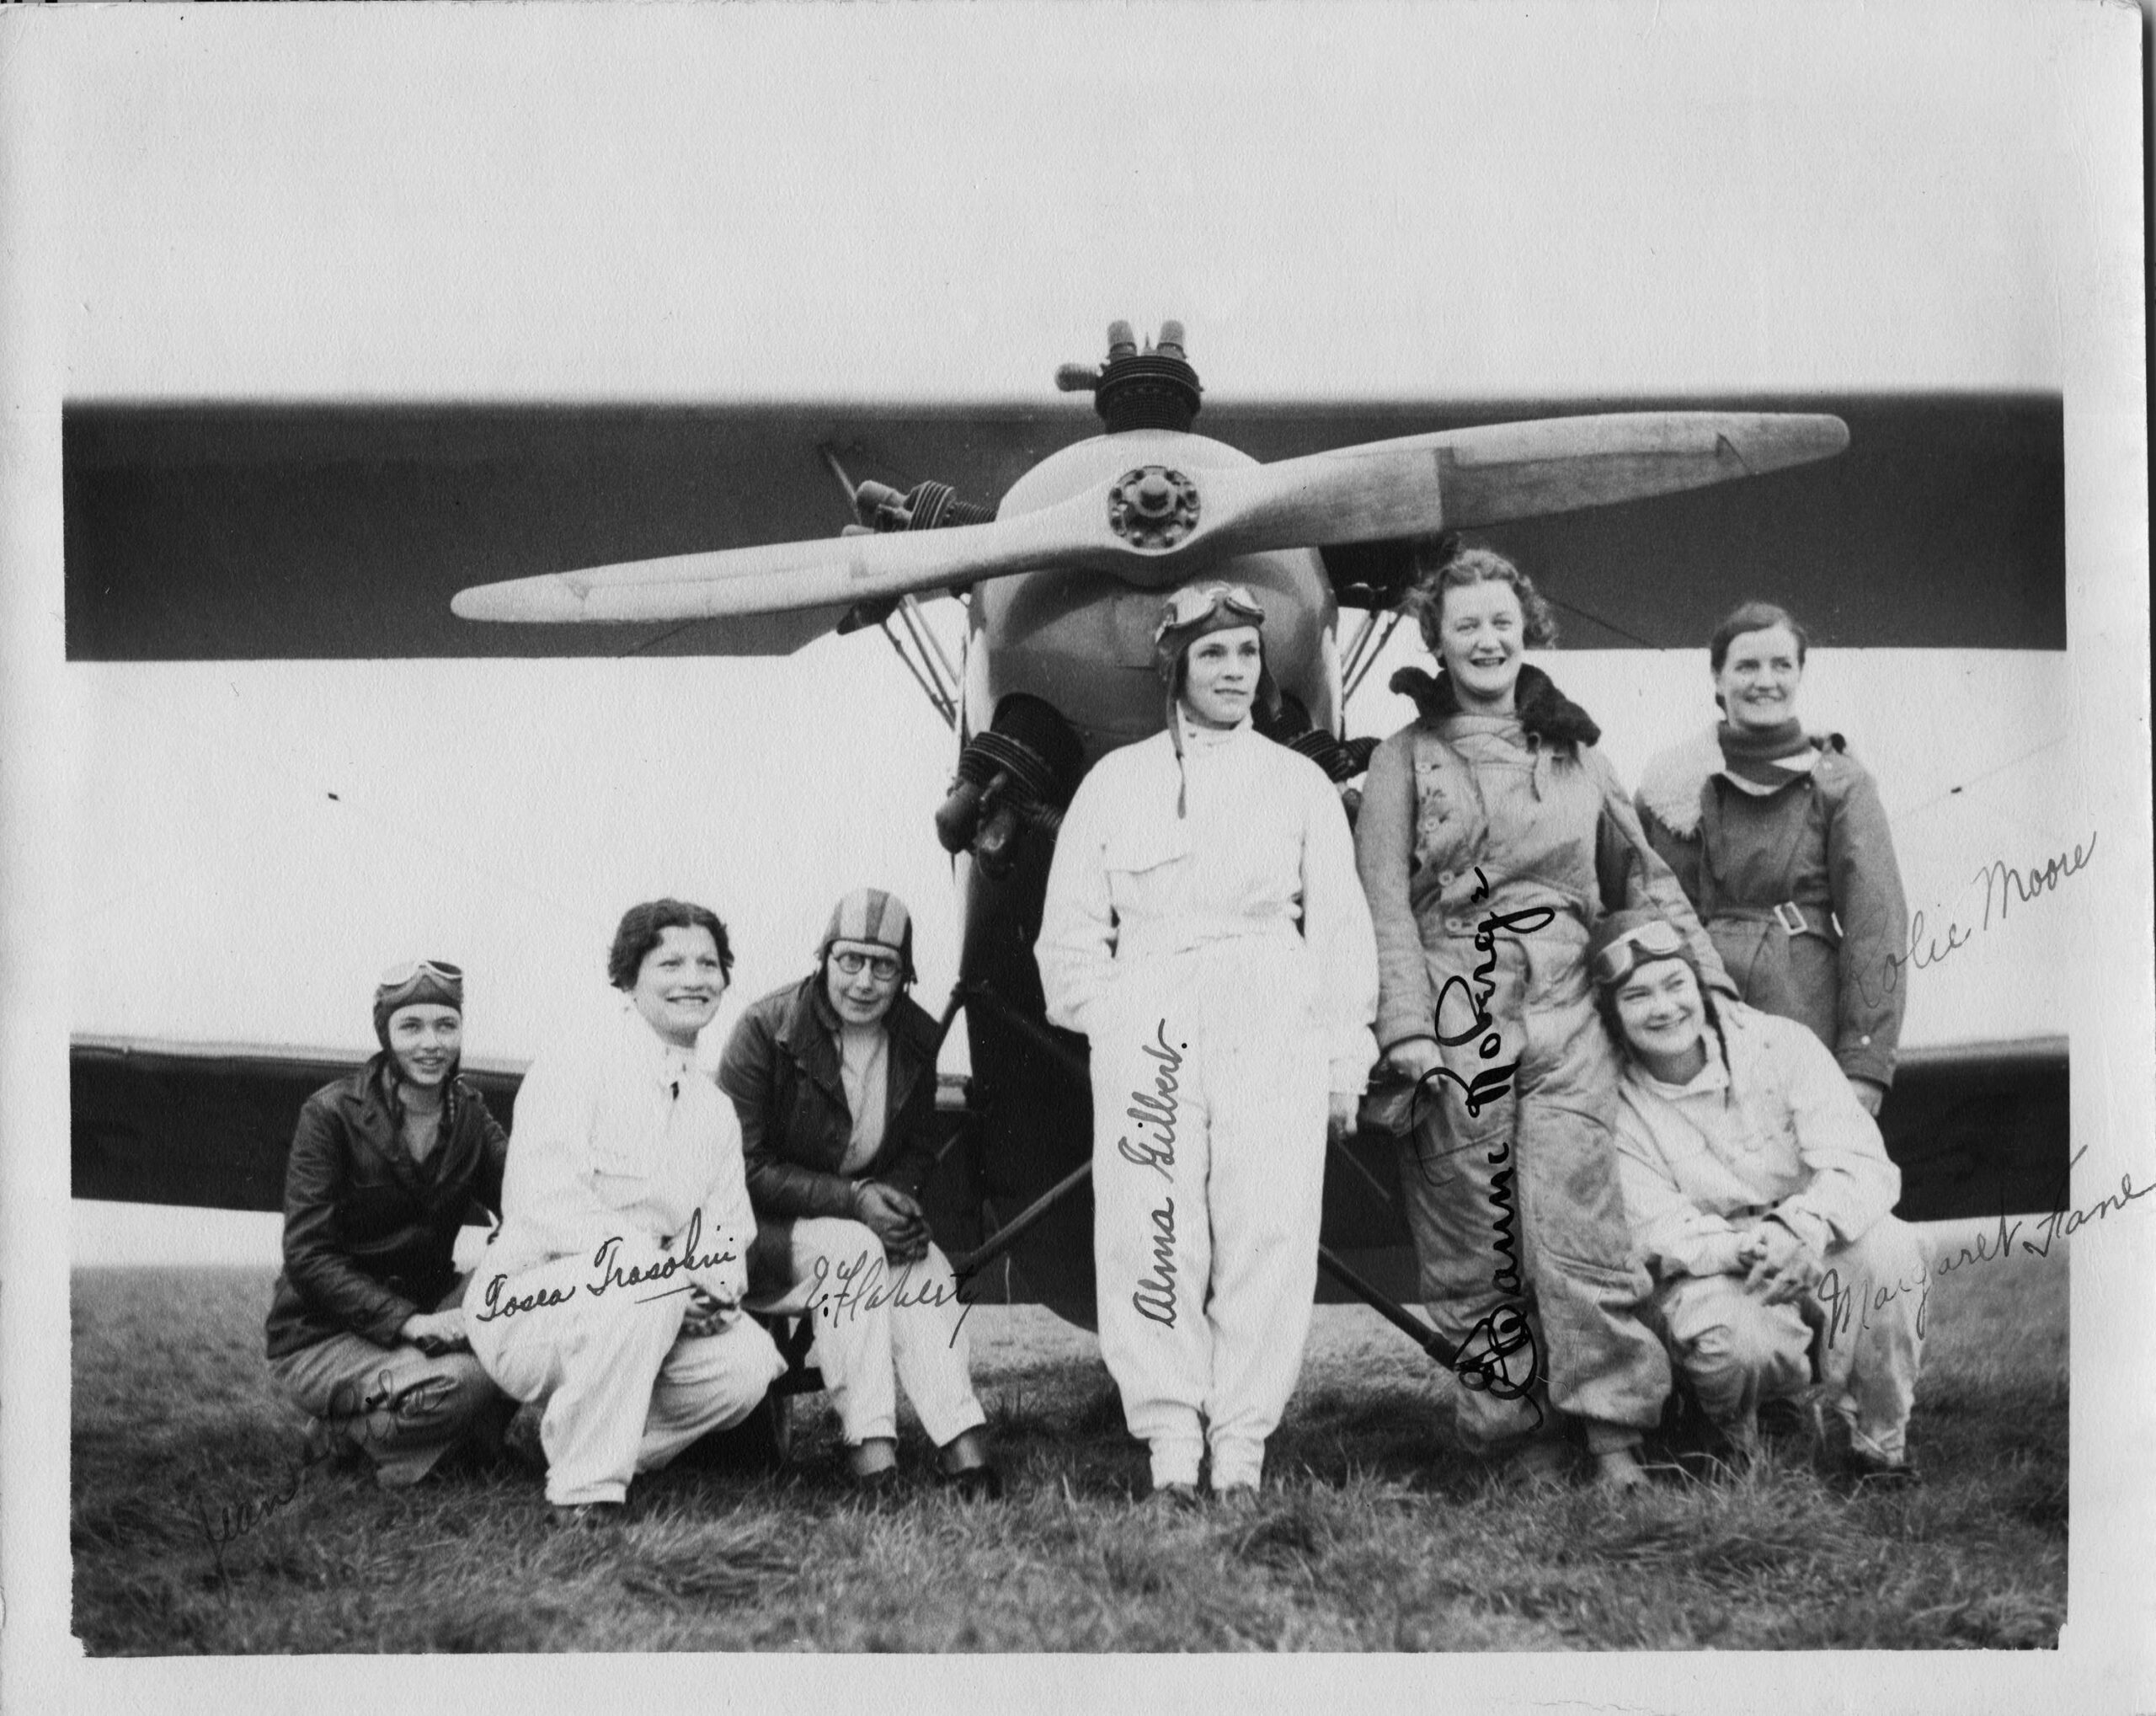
[(239, 531), (1978, 1129)]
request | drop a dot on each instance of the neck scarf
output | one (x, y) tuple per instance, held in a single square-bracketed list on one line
[(1765, 758)]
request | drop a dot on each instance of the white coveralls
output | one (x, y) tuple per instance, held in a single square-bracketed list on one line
[(1222, 963), (1775, 1127), (620, 1142)]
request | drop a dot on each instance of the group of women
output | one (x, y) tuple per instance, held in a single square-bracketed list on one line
[(1610, 1163)]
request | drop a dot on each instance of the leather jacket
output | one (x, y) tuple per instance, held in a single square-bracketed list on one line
[(369, 1232), (782, 1069)]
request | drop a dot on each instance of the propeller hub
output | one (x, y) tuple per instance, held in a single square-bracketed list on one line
[(1153, 507)]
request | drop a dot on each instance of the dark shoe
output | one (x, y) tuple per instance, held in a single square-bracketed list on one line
[(1236, 1498), (1870, 1472), (1787, 1420), (1175, 1497), (589, 1515), (875, 1487), (975, 1484)]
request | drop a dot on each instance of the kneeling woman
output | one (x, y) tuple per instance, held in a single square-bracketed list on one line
[(613, 1291), (365, 1334), (1205, 928), (1760, 1193), (834, 1079)]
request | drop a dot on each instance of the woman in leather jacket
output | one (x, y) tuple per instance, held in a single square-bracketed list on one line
[(834, 1079), (366, 1333)]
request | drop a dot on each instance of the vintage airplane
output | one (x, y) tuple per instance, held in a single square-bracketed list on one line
[(1941, 526)]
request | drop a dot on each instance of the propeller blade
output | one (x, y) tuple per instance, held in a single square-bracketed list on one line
[(1414, 486), (836, 571), (1461, 477)]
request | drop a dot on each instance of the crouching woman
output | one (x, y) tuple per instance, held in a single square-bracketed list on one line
[(612, 1292), (1760, 1193), (834, 1080), (364, 1333)]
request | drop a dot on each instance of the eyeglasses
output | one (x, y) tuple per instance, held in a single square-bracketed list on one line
[(1187, 606), (1656, 940), (397, 976), (883, 967)]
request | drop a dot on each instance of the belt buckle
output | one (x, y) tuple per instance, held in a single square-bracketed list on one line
[(1790, 915)]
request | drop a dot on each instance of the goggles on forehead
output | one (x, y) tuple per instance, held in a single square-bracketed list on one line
[(1657, 940), (404, 976), (1187, 608), (883, 967)]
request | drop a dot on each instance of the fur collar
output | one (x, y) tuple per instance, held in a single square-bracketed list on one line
[(1544, 712), (1670, 789)]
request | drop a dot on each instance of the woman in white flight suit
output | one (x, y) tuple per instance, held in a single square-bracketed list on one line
[(1205, 929)]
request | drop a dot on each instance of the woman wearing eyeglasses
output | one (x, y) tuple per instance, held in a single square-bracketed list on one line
[(1779, 840), (365, 1334), (1205, 928), (1493, 836), (834, 1079), (1761, 1195)]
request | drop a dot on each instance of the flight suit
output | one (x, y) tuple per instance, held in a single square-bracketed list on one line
[(1220, 962)]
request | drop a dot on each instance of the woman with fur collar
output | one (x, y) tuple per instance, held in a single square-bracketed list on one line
[(1781, 844), (1492, 838)]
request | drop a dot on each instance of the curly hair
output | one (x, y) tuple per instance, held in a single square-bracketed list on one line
[(645, 927), (1445, 564), (1753, 616)]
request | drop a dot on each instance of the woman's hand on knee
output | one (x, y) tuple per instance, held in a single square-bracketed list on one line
[(893, 1218)]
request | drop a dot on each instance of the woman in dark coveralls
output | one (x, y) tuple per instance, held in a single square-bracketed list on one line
[(1780, 843), (365, 1332), (833, 1078)]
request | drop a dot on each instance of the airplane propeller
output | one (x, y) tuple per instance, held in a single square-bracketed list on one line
[(1156, 524)]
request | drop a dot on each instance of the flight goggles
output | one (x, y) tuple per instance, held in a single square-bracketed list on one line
[(883, 967), (417, 978), (1656, 940), (1198, 601)]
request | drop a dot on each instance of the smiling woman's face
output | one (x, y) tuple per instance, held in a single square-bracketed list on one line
[(1481, 633), (1760, 675), (1664, 1019), (425, 1038), (679, 984), (1220, 675)]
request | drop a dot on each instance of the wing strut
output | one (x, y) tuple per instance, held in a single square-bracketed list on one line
[(926, 664), (1362, 659)]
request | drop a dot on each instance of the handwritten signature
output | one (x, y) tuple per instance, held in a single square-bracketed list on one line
[(1486, 1360), (611, 1274), (2001, 882), (1985, 1247), (371, 1421), (1154, 1298), (857, 1292)]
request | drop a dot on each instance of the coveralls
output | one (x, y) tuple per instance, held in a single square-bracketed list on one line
[(808, 1142), (369, 1234), (620, 1143), (1770, 1127), (1488, 845), (1221, 964), (1797, 885)]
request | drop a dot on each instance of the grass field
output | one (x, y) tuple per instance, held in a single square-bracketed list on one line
[(1375, 1532)]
